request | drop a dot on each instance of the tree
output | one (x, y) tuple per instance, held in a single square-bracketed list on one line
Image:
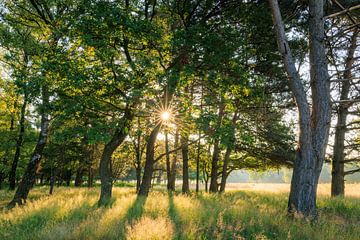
[(314, 119)]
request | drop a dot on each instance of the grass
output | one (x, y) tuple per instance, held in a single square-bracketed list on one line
[(72, 213)]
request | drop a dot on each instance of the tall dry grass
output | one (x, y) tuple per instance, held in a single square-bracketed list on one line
[(253, 213)]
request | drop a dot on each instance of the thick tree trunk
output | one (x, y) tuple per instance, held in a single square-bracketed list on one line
[(19, 142), (338, 171), (173, 164), (314, 127), (105, 161), (185, 157), (149, 162), (28, 178)]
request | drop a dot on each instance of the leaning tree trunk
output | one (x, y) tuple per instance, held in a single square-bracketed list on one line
[(314, 125), (105, 161), (28, 178), (185, 157), (150, 151), (227, 155), (224, 169), (19, 142), (149, 162), (338, 171)]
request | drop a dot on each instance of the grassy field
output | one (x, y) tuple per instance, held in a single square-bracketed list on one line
[(251, 213)]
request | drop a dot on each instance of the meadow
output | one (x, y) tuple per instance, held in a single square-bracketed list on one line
[(249, 211)]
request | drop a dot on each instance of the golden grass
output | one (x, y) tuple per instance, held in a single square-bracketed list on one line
[(254, 213), (351, 189)]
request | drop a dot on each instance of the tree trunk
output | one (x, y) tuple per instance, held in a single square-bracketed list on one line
[(149, 162), (139, 152), (224, 169), (338, 171), (216, 151), (227, 155), (19, 142), (90, 181), (67, 177), (173, 164), (314, 126), (167, 155), (185, 157), (79, 177), (105, 161), (28, 178)]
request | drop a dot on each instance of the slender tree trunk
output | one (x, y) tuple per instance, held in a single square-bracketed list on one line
[(167, 155), (19, 142), (198, 164), (139, 152), (79, 177), (224, 169), (185, 157), (338, 171), (227, 155), (173, 163), (314, 126), (105, 161), (67, 177), (28, 178), (90, 181), (216, 151), (52, 182), (149, 162)]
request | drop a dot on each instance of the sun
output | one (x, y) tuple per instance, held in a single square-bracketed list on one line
[(165, 115)]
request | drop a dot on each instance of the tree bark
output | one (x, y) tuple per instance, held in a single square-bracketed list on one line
[(79, 177), (227, 156), (105, 161), (168, 166), (314, 127), (173, 164), (28, 178), (224, 169), (216, 151), (338, 171), (185, 157), (149, 162), (139, 151), (19, 142)]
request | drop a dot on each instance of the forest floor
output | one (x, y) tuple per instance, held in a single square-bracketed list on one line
[(251, 213)]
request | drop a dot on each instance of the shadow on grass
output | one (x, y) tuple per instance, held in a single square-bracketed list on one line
[(175, 217), (133, 214), (35, 222)]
